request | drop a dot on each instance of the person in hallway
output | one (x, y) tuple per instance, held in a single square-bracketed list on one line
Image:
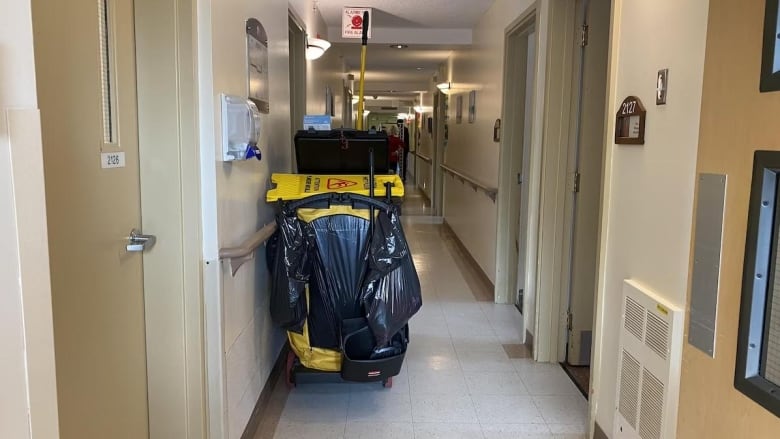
[(405, 138), (395, 148)]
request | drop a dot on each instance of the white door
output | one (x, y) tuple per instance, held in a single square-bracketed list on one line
[(528, 54), (86, 77), (589, 165)]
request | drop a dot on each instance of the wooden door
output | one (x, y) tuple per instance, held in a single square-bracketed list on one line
[(86, 78)]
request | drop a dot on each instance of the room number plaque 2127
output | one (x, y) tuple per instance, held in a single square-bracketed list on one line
[(630, 122)]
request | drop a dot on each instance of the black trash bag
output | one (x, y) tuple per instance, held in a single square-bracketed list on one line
[(391, 291), (339, 243), (271, 250), (292, 269)]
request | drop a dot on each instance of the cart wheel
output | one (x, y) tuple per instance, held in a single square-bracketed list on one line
[(388, 383), (288, 370)]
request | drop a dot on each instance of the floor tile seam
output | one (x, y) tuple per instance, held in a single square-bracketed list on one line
[(414, 431), (452, 344), (484, 315), (541, 412), (547, 433)]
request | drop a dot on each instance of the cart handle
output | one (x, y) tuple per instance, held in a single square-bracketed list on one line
[(338, 198)]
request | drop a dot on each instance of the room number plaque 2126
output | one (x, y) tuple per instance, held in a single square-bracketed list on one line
[(109, 160)]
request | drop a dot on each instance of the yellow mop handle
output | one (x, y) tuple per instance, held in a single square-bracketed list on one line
[(360, 92), (362, 71)]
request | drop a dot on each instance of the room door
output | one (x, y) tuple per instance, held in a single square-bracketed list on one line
[(587, 163), (526, 53), (86, 79)]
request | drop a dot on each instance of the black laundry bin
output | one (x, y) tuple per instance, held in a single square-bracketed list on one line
[(361, 361)]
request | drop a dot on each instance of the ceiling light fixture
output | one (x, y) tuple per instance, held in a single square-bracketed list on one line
[(399, 46), (316, 47), (444, 86)]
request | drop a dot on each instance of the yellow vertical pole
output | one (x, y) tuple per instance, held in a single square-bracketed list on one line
[(360, 88), (364, 43)]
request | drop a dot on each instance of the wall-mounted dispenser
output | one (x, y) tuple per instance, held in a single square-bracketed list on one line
[(240, 128)]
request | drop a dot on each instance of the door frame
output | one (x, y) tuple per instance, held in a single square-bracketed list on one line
[(572, 203), (27, 372), (507, 202), (171, 208), (298, 66), (578, 63), (560, 57), (440, 101), (547, 181)]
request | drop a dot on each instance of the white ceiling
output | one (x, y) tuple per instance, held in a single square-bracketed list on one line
[(430, 28)]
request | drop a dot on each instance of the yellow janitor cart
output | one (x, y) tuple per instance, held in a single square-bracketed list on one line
[(344, 282)]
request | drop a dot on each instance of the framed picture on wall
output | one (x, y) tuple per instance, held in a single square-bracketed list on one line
[(770, 55), (472, 106), (459, 109)]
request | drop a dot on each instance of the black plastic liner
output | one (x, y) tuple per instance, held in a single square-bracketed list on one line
[(323, 330), (357, 272), (292, 269), (391, 292), (339, 244)]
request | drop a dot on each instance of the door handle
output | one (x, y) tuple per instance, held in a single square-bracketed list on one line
[(138, 242)]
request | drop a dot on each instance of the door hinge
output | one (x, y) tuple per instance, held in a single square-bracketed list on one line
[(568, 321), (583, 35), (576, 182)]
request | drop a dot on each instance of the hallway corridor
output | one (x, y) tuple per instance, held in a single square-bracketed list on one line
[(465, 375)]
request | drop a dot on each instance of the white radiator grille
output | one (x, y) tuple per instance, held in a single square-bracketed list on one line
[(635, 318), (652, 406), (651, 356), (657, 337), (629, 388)]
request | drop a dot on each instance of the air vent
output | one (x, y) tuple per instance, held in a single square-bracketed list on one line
[(657, 335), (635, 318), (629, 388), (652, 406), (649, 365)]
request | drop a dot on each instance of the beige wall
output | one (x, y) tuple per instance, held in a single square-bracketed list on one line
[(736, 120), (234, 193), (327, 71), (471, 149), (28, 400), (648, 195), (233, 205), (424, 170)]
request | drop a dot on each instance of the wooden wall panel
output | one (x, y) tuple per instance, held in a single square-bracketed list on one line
[(735, 121)]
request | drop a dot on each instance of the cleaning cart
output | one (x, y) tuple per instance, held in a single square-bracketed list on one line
[(344, 282)]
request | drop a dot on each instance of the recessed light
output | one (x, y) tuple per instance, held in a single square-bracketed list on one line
[(419, 68), (399, 46)]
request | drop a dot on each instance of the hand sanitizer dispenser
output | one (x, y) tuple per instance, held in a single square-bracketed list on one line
[(240, 128)]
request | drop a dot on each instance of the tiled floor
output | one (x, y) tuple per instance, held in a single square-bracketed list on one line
[(458, 380)]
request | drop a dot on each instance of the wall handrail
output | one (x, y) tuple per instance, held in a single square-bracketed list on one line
[(237, 256), (490, 191), (423, 157)]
